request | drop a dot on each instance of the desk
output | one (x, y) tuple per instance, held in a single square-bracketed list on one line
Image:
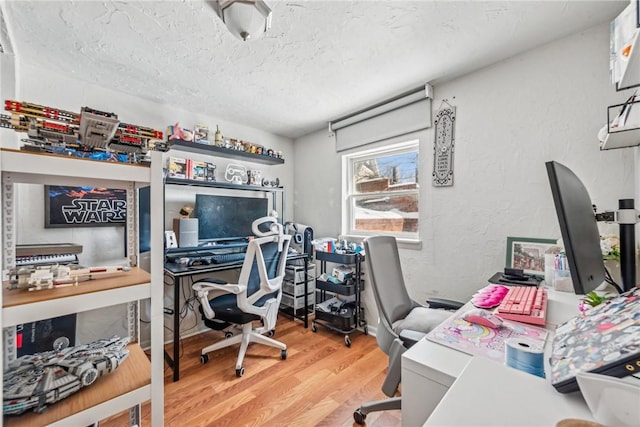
[(493, 394), (429, 369), (177, 272)]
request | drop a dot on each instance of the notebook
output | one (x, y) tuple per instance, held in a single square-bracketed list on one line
[(604, 340)]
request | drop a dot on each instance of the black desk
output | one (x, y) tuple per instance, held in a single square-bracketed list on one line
[(178, 271)]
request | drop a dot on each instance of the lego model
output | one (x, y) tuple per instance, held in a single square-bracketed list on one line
[(92, 133), (37, 380), (57, 276)]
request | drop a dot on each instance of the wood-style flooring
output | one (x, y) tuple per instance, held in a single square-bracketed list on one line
[(320, 383)]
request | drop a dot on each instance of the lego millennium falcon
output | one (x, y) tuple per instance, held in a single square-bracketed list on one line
[(37, 380)]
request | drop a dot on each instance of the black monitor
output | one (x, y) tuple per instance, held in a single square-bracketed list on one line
[(226, 217), (144, 219), (579, 228)]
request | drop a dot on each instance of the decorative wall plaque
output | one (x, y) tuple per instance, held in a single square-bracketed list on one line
[(444, 146)]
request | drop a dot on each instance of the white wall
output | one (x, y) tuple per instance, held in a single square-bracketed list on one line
[(106, 245), (512, 117)]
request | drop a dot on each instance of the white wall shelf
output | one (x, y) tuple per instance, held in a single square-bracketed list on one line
[(625, 47), (138, 379), (631, 74), (624, 139), (625, 73), (622, 136)]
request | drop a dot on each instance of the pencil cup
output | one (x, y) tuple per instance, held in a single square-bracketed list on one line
[(549, 262), (562, 280)]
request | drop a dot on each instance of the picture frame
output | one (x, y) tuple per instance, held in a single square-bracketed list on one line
[(527, 254), (84, 206)]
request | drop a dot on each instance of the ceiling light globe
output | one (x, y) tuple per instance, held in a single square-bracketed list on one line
[(245, 19)]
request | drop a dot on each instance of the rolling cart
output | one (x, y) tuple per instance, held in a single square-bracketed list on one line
[(341, 316)]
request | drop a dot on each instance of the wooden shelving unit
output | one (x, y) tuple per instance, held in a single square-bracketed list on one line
[(138, 379)]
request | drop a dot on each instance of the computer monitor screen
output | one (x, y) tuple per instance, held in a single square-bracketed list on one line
[(144, 219), (227, 217), (579, 228)]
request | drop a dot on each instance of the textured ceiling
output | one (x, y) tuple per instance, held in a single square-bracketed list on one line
[(320, 59)]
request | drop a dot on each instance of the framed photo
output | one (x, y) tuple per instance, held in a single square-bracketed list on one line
[(528, 254), (84, 206)]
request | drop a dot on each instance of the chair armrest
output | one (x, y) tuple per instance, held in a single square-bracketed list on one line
[(409, 337), (209, 285), (443, 303), (203, 287)]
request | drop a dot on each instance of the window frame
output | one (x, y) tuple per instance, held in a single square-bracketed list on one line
[(350, 196)]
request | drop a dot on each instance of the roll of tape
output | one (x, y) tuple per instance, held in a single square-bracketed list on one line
[(525, 355)]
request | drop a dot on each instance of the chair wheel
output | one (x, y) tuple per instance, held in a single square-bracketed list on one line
[(271, 333), (239, 372), (313, 327), (347, 341), (204, 358), (359, 417), (366, 330), (228, 334), (283, 354)]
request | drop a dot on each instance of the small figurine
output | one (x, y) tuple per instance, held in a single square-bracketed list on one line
[(176, 132), (186, 211), (218, 137), (201, 134)]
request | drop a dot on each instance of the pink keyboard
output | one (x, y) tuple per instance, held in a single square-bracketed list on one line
[(526, 304)]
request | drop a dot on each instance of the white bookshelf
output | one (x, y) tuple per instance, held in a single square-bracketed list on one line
[(138, 379)]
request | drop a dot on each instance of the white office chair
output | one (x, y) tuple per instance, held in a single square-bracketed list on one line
[(401, 321), (256, 296)]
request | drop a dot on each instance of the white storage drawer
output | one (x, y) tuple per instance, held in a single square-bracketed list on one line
[(296, 273), (297, 289), (298, 302)]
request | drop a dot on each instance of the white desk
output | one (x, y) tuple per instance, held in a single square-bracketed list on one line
[(489, 394), (430, 369)]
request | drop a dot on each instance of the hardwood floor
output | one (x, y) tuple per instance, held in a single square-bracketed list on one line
[(320, 383)]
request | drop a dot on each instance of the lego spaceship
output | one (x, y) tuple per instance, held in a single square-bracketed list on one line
[(37, 380)]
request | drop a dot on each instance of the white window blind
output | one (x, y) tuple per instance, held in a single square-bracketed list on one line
[(403, 114)]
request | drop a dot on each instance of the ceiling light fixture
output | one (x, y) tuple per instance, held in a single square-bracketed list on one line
[(245, 19)]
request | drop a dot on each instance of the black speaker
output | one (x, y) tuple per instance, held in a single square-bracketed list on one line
[(302, 235)]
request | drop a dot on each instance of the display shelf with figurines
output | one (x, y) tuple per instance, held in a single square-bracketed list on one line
[(229, 153)]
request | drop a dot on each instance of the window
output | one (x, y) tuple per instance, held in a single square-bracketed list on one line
[(382, 192)]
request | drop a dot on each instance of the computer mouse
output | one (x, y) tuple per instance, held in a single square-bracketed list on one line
[(483, 318)]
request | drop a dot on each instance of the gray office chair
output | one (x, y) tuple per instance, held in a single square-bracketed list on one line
[(401, 321), (256, 296)]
